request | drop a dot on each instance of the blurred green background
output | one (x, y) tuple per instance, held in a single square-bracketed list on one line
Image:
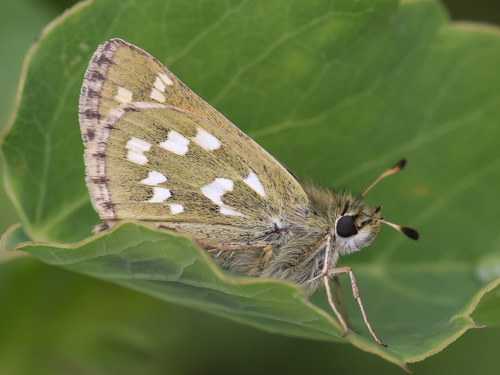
[(56, 322)]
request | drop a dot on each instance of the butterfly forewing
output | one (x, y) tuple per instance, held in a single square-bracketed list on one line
[(156, 151)]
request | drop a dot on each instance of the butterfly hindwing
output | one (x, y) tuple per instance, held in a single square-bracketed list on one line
[(162, 163)]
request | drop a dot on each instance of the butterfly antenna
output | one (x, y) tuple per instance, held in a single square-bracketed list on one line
[(409, 232), (395, 168)]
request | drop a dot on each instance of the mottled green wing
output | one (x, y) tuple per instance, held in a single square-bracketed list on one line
[(161, 163)]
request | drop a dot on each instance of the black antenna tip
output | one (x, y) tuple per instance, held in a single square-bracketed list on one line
[(400, 165), (412, 233)]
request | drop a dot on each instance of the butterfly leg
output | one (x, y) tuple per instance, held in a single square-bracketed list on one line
[(333, 272), (327, 245), (326, 282), (333, 307), (340, 301)]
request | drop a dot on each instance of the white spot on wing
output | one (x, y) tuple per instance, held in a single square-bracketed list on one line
[(166, 79), (157, 95), (137, 157), (123, 95), (226, 210), (154, 178), (253, 181), (176, 208), (160, 195), (176, 143), (206, 140), (136, 148), (215, 190), (159, 85)]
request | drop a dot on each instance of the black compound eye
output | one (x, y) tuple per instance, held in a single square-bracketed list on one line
[(346, 226)]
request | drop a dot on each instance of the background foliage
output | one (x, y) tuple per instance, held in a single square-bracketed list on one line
[(66, 321)]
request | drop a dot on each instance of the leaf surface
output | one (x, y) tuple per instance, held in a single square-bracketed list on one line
[(337, 91)]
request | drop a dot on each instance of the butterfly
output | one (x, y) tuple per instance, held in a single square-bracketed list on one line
[(157, 152)]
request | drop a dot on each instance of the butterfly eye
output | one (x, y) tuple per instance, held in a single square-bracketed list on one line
[(346, 226)]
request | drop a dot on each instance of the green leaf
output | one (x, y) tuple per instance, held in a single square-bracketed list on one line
[(14, 236), (169, 266), (21, 22), (337, 91)]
